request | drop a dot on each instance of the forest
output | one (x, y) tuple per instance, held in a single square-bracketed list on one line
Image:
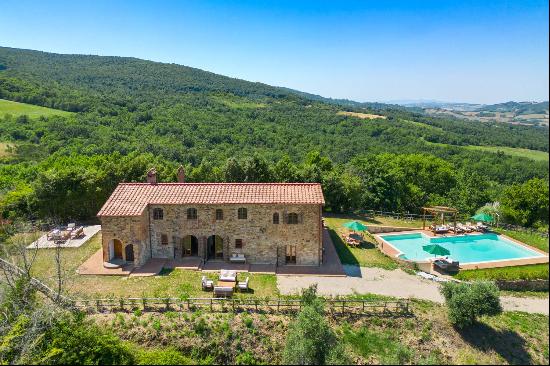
[(130, 114)]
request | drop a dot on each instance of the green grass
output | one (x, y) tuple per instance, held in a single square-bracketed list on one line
[(170, 283), (528, 272), (367, 255), (513, 151), (19, 109)]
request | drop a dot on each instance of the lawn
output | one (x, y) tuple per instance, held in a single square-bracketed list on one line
[(19, 109), (170, 283), (367, 255)]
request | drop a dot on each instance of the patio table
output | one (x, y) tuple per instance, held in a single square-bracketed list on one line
[(231, 284)]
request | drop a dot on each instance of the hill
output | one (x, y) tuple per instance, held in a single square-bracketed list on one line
[(131, 113)]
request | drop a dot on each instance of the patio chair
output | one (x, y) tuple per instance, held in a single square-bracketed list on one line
[(71, 226), (207, 284), (243, 285)]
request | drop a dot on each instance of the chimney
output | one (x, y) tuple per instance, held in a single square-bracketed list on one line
[(152, 176), (181, 174)]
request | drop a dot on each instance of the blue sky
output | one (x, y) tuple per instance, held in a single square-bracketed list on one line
[(467, 51)]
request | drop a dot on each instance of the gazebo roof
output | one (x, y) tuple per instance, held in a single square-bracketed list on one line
[(440, 209)]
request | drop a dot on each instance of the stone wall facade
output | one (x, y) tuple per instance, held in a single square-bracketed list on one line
[(263, 241)]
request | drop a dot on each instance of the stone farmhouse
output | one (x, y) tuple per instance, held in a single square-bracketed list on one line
[(261, 223)]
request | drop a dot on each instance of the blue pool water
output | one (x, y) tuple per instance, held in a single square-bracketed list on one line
[(463, 248)]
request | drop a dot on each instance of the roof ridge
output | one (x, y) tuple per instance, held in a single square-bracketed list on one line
[(215, 183)]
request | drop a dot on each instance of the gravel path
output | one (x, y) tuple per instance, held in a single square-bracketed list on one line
[(396, 283)]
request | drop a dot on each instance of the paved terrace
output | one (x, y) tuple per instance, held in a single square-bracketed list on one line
[(331, 265), (43, 242)]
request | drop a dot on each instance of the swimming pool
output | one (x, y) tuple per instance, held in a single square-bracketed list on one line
[(464, 248)]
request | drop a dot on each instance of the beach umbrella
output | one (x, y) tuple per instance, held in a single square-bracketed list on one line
[(436, 249), (483, 217), (355, 226)]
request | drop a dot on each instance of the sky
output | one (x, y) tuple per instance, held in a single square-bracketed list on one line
[(459, 51)]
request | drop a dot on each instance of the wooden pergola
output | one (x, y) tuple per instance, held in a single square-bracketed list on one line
[(438, 210)]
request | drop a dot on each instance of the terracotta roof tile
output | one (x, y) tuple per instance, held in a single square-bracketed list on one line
[(130, 199)]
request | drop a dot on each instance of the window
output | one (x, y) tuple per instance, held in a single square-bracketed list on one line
[(191, 214), (219, 214), (276, 218), (292, 218), (238, 243), (164, 239), (242, 213), (290, 255), (158, 214)]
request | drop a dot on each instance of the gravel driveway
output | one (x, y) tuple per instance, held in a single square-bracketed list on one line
[(396, 283)]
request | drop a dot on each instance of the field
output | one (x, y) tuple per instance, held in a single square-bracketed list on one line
[(172, 283), (361, 115), (19, 109), (513, 151)]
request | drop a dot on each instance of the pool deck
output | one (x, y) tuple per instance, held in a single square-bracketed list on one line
[(392, 252)]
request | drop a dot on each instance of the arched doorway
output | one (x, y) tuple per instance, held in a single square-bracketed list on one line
[(190, 246), (214, 246), (129, 251), (116, 249)]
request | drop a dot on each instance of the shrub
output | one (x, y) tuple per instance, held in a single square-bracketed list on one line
[(72, 340), (310, 339), (468, 301)]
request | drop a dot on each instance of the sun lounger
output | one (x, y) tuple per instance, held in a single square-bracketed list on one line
[(441, 229), (481, 227), (456, 229), (71, 226), (77, 232), (464, 228)]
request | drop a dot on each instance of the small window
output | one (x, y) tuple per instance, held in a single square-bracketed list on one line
[(242, 213), (191, 214), (164, 239), (238, 243), (219, 214), (292, 218), (158, 214), (276, 218)]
